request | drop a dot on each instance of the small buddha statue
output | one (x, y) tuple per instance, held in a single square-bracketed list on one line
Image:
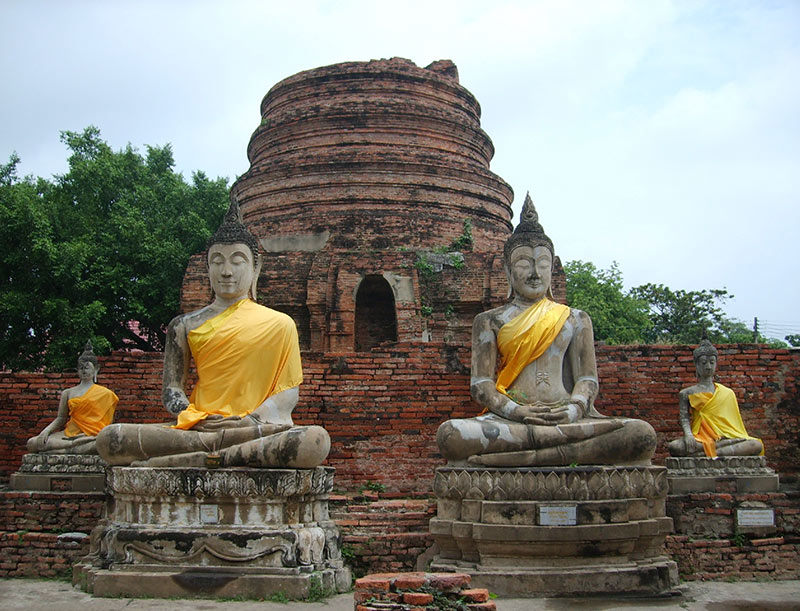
[(534, 372), (715, 427), (247, 358), (83, 411)]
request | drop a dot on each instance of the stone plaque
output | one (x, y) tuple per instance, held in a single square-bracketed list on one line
[(755, 517), (209, 514), (557, 515)]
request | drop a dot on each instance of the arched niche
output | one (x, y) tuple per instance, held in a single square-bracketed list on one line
[(376, 316)]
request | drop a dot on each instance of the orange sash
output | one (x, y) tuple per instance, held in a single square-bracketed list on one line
[(525, 338), (90, 412), (243, 356)]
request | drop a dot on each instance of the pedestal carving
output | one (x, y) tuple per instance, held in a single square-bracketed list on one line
[(215, 532), (60, 473), (724, 474), (558, 531)]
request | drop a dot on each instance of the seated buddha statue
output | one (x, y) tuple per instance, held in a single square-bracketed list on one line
[(715, 427), (534, 373), (247, 359), (83, 411)]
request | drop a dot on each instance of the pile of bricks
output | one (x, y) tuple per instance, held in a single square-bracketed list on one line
[(419, 592)]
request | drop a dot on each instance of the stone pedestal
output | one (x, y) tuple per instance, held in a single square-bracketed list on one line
[(725, 474), (60, 473), (558, 531), (193, 532)]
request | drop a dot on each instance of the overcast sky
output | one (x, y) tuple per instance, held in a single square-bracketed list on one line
[(660, 134)]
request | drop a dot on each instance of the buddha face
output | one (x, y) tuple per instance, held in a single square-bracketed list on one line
[(706, 365), (230, 269), (87, 372), (530, 272)]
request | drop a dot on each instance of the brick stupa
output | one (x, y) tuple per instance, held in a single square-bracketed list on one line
[(365, 180)]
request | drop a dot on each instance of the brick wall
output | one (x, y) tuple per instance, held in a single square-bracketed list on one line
[(382, 408), (43, 533)]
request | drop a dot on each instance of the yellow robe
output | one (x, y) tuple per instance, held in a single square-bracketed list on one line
[(243, 356), (90, 412), (525, 337), (715, 416)]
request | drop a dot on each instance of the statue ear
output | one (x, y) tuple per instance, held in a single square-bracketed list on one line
[(508, 280), (256, 273)]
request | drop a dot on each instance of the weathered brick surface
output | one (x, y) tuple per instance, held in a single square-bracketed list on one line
[(382, 407), (750, 560), (383, 534), (36, 554), (713, 515), (53, 512)]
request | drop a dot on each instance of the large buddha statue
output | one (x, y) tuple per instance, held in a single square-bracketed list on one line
[(83, 411), (248, 366), (715, 427), (534, 372)]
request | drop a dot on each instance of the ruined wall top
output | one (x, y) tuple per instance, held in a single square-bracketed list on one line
[(377, 154)]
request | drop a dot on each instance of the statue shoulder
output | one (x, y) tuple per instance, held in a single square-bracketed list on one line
[(494, 318), (183, 323), (580, 320), (577, 315)]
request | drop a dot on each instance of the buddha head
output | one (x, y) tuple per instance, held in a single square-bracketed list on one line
[(705, 358), (233, 257), (528, 257), (88, 365)]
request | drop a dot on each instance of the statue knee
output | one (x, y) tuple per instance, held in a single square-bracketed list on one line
[(313, 448), (640, 440), (110, 444), (450, 440)]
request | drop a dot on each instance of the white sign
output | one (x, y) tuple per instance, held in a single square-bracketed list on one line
[(755, 517), (557, 515), (209, 514)]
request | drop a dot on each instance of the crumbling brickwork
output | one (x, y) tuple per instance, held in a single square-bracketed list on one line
[(382, 407)]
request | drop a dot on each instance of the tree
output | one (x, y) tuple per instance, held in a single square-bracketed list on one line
[(793, 339), (101, 247), (679, 317), (652, 313), (617, 316)]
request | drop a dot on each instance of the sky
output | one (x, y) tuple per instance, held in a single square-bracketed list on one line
[(663, 135)]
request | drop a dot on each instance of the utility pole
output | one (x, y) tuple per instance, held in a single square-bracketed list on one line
[(755, 330)]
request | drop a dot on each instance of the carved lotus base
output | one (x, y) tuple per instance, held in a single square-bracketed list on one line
[(60, 473), (557, 531), (723, 474), (215, 533)]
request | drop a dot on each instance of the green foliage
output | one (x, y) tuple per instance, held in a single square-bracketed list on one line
[(424, 267), (618, 317), (279, 597), (443, 602), (652, 313), (740, 539), (793, 339), (318, 592), (374, 487), (679, 317), (105, 244), (348, 552), (464, 242)]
